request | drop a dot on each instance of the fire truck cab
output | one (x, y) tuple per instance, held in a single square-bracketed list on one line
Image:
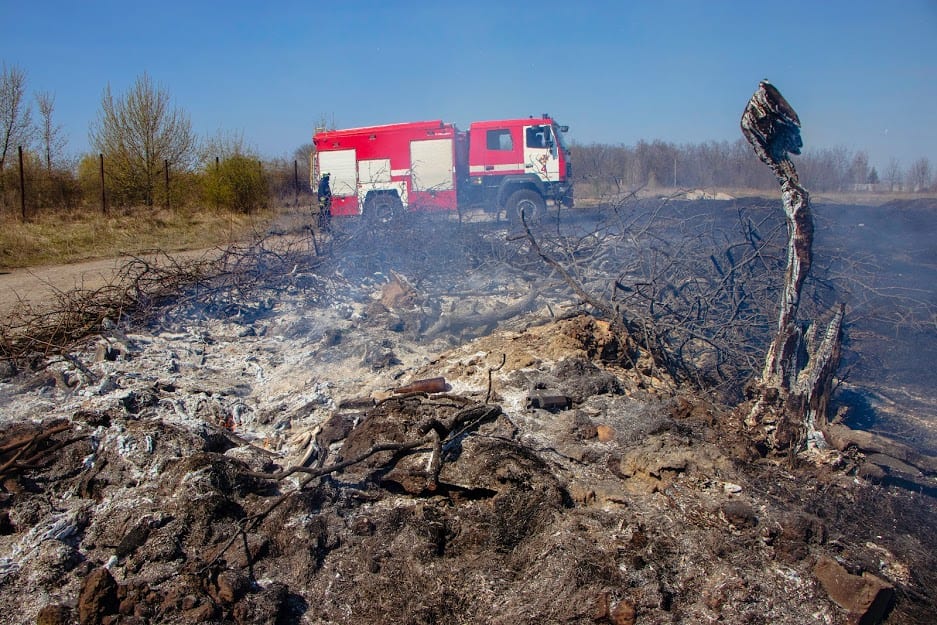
[(513, 165)]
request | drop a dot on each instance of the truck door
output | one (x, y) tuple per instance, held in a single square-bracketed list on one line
[(432, 173), (540, 152), (341, 165), (343, 179), (431, 165)]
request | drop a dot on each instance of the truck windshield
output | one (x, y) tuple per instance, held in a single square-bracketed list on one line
[(560, 138)]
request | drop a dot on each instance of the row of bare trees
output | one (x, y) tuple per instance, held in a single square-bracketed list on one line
[(616, 169), (144, 150), (154, 158)]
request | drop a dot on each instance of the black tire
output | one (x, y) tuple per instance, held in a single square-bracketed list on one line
[(528, 202), (382, 208)]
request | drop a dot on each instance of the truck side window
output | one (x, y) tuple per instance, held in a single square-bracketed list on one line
[(535, 137), (499, 140), (539, 137)]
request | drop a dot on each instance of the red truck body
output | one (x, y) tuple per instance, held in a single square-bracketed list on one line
[(512, 165)]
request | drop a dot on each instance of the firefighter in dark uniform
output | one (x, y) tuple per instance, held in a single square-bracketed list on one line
[(325, 203)]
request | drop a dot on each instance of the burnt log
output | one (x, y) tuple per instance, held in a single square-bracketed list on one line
[(791, 398), (453, 324)]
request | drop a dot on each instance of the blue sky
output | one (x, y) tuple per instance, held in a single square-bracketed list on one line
[(861, 74)]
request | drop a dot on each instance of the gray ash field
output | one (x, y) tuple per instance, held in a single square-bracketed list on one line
[(244, 459)]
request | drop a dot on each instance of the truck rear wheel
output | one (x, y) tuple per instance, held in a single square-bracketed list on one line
[(382, 208), (526, 202)]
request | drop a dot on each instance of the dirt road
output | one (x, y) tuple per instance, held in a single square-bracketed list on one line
[(38, 286)]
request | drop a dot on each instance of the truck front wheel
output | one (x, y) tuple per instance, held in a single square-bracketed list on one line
[(526, 202)]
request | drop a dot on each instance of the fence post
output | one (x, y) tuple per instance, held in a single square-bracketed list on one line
[(22, 185), (103, 195), (166, 169), (296, 182)]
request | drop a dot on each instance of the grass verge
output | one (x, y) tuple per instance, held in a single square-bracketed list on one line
[(66, 237)]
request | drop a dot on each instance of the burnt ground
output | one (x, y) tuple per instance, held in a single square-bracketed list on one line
[(881, 261), (562, 477), (889, 253)]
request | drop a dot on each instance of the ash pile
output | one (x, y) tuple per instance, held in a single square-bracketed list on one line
[(399, 437)]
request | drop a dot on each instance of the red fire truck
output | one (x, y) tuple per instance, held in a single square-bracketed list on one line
[(512, 165)]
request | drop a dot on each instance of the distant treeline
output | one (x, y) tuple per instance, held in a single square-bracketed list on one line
[(609, 169), (235, 182)]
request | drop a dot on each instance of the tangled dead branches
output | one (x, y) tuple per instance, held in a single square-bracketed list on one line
[(693, 284), (31, 334)]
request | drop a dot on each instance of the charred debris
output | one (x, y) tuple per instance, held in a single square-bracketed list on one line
[(439, 420)]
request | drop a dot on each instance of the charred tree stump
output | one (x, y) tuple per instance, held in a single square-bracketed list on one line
[(791, 399)]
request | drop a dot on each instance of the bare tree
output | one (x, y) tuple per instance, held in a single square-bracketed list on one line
[(139, 133), (224, 144), (893, 175), (919, 175), (608, 170), (858, 173), (303, 157), (50, 134), (15, 117)]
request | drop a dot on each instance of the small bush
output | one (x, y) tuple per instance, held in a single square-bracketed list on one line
[(237, 183)]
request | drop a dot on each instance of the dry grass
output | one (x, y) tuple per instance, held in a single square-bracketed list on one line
[(66, 237)]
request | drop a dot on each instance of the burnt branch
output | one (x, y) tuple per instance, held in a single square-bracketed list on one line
[(20, 453), (491, 370), (570, 281), (312, 473), (433, 432), (252, 521), (793, 395), (139, 290)]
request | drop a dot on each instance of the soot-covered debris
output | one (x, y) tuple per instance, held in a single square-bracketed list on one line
[(258, 468)]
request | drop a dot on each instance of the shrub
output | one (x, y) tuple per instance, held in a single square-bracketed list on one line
[(237, 183)]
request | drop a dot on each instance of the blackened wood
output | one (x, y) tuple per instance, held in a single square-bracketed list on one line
[(793, 394)]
